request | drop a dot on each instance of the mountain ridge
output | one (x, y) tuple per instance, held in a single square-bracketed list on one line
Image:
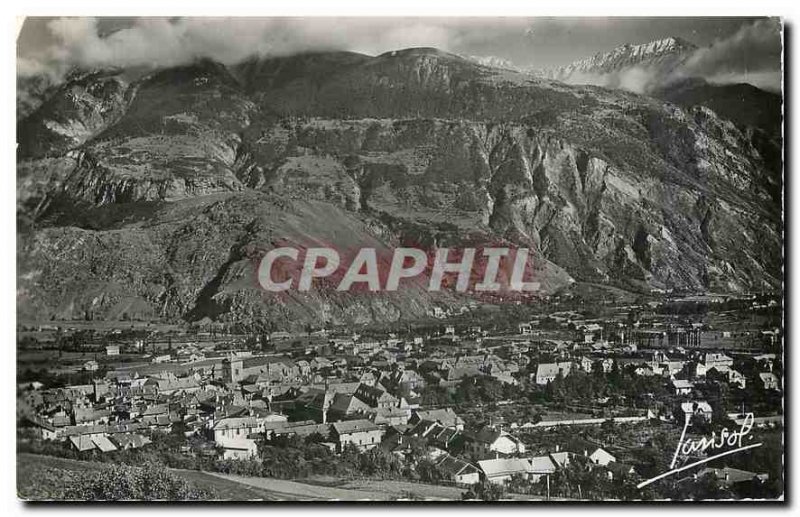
[(670, 50), (209, 165)]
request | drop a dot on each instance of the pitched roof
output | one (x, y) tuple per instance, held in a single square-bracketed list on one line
[(694, 407), (452, 466), (354, 426), (562, 458), (247, 422), (542, 465), (444, 416), (104, 444), (546, 369), (241, 444), (731, 475), (82, 443), (347, 404), (129, 441), (504, 466), (156, 409), (486, 435)]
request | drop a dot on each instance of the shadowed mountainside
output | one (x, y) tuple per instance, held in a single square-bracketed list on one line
[(154, 199)]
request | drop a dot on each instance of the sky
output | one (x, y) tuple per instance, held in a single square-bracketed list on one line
[(53, 45)]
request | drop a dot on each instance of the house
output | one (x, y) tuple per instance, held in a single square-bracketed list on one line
[(82, 442), (525, 329), (32, 385), (446, 417), (389, 416), (767, 360), (729, 477), (437, 312), (592, 328), (112, 350), (500, 470), (91, 416), (561, 459), (712, 360), (374, 396), (619, 470), (266, 369), (344, 405), (303, 428), (458, 471), (601, 457), (738, 378), (700, 369), (238, 448), (445, 438), (361, 433), (488, 443), (701, 409), (435, 434), (87, 438), (671, 368), (125, 441), (682, 386), (547, 372), (540, 466), (44, 429), (104, 444), (769, 381), (238, 427)]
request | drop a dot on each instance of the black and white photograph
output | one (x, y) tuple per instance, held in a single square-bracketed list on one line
[(508, 259)]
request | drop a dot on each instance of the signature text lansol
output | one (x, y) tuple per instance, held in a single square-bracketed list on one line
[(726, 438)]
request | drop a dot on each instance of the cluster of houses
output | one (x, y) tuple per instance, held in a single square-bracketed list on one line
[(354, 393), (694, 365)]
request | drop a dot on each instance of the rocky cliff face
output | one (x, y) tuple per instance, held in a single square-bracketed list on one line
[(161, 208)]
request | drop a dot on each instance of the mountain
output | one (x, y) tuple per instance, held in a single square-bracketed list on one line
[(160, 206), (494, 62), (743, 104), (654, 69), (662, 55)]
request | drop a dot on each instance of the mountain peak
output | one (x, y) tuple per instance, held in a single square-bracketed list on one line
[(629, 53), (418, 51), (657, 51)]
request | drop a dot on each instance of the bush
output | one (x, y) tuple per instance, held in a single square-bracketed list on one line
[(485, 491), (121, 482)]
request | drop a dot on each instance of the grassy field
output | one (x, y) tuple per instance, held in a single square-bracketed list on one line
[(45, 478)]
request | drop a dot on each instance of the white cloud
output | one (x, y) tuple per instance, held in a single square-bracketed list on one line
[(751, 55), (162, 42)]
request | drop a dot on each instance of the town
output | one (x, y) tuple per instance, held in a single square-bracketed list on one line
[(566, 399)]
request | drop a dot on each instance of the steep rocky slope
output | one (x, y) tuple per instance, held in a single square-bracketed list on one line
[(162, 208)]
